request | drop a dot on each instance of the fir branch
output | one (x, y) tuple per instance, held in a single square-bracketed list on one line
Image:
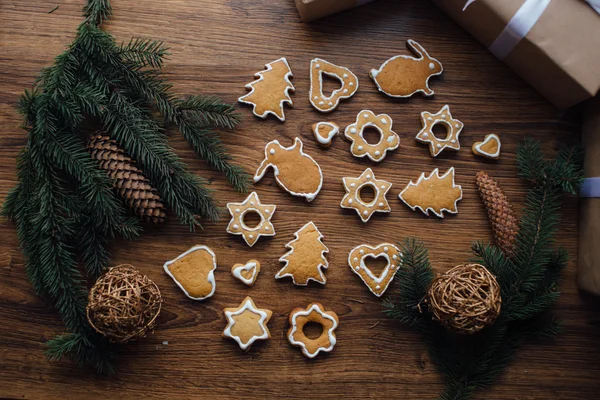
[(97, 11), (85, 349), (208, 111), (210, 148), (144, 52)]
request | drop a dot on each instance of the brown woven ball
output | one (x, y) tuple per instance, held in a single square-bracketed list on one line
[(123, 304), (465, 299)]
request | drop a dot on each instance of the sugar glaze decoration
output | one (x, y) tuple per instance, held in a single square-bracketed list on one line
[(360, 147), (239, 210), (247, 323), (403, 76), (489, 148), (352, 199), (295, 171), (433, 193), (324, 132), (453, 129), (314, 312), (193, 272), (241, 271), (376, 284), (348, 80), (266, 91)]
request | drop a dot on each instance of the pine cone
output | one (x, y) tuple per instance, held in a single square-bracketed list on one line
[(505, 223), (129, 182)]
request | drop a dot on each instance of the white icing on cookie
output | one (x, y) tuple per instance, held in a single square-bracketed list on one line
[(247, 306), (330, 332), (344, 75), (210, 277), (376, 284)]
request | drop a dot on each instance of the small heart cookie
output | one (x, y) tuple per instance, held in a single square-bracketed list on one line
[(324, 132), (489, 148), (247, 273)]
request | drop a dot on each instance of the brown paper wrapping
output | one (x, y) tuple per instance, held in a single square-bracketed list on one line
[(313, 9), (559, 56), (588, 274)]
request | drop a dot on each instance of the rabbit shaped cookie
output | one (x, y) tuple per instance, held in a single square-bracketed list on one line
[(403, 76)]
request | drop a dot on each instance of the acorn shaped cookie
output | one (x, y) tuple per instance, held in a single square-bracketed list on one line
[(295, 171), (403, 76)]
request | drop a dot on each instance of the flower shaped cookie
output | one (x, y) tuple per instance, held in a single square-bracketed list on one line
[(315, 312), (360, 147)]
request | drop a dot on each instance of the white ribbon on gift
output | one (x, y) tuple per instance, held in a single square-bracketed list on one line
[(590, 187)]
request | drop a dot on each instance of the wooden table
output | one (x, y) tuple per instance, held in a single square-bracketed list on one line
[(217, 46)]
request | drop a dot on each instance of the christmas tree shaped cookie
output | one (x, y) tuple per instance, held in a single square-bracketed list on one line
[(306, 257), (271, 90), (433, 193)]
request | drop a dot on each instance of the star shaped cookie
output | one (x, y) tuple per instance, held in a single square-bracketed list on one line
[(353, 200), (453, 128), (237, 226), (247, 323)]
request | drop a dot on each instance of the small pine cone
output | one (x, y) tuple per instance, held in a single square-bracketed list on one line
[(129, 182), (505, 223)]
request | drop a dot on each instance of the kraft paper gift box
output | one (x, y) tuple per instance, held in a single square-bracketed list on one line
[(314, 9), (554, 45), (588, 273)]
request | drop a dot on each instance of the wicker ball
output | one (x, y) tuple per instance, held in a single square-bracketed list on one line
[(123, 304), (465, 299)]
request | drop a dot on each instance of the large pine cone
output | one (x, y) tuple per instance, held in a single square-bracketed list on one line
[(505, 224), (129, 182)]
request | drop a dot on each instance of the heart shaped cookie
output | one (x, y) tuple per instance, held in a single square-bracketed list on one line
[(324, 132), (247, 273), (376, 284), (489, 148)]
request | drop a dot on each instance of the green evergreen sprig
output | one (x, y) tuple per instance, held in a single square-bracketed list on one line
[(63, 204), (528, 281)]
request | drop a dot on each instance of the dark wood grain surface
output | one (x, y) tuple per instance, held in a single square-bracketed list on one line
[(217, 46)]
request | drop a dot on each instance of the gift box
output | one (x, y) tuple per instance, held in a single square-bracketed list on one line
[(588, 274), (554, 45), (314, 9)]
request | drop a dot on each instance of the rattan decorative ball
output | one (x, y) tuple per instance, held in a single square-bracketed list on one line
[(465, 299), (123, 304)]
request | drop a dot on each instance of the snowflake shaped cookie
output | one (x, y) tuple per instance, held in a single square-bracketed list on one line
[(353, 200), (360, 147), (247, 323), (453, 128), (237, 226)]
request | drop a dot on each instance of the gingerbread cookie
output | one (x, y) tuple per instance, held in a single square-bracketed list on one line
[(353, 200), (246, 273), (433, 193), (238, 211), (453, 128), (376, 284), (306, 258), (295, 171), (315, 312), (271, 90), (403, 76), (324, 132), (193, 272), (348, 80), (360, 147), (489, 148), (247, 323)]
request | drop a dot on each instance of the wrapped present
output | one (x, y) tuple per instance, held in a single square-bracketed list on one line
[(314, 9), (552, 44), (588, 274)]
